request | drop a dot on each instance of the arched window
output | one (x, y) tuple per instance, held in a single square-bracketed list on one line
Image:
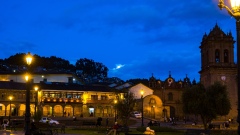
[(226, 56), (152, 101), (217, 56), (170, 96)]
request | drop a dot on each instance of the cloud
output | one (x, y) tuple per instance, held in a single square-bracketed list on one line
[(118, 66)]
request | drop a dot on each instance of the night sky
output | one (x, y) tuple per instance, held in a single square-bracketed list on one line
[(133, 38)]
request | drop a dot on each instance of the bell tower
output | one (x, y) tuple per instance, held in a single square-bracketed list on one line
[(217, 63)]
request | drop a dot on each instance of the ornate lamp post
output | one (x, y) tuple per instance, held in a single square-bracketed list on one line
[(27, 114), (36, 98), (234, 11), (10, 112), (115, 103), (142, 92)]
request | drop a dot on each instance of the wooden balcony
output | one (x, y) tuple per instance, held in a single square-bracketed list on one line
[(97, 101), (61, 100)]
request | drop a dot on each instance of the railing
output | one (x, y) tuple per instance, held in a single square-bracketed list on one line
[(105, 101), (61, 100)]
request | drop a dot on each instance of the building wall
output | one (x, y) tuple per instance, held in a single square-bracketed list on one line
[(37, 78)]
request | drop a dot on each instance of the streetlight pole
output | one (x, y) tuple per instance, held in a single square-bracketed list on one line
[(10, 98), (36, 99), (235, 12), (28, 114), (142, 92)]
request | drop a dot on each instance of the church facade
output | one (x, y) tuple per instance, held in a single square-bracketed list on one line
[(217, 63)]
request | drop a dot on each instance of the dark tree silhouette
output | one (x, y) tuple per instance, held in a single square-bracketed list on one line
[(207, 103), (87, 69)]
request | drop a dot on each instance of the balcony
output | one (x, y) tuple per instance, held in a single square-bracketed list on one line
[(100, 101), (61, 100)]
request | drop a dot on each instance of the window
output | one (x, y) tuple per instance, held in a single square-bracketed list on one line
[(103, 97), (152, 101), (170, 96), (94, 97), (20, 96), (226, 56), (217, 56), (69, 95)]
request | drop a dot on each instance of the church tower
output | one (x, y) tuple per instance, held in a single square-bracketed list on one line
[(217, 63)]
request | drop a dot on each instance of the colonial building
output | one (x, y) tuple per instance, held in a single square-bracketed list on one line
[(60, 97), (217, 63)]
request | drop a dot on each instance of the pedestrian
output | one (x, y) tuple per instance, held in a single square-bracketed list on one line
[(64, 114), (99, 121), (106, 121), (150, 123), (114, 129), (229, 120), (170, 120), (74, 118)]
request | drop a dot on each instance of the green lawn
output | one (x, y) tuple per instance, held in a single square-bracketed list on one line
[(93, 132), (102, 132)]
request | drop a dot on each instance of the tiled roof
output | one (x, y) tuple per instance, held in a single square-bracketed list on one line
[(57, 86)]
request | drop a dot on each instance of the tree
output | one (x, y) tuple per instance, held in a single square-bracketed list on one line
[(207, 103), (125, 107), (52, 63), (90, 69)]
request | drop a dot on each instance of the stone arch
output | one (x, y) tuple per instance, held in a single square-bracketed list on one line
[(100, 111), (77, 110), (2, 110), (21, 110), (152, 107), (11, 110), (32, 109), (47, 110), (69, 110), (58, 110)]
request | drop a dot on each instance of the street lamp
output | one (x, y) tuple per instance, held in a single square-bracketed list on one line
[(142, 92), (234, 11), (27, 114), (10, 98), (115, 103), (36, 98)]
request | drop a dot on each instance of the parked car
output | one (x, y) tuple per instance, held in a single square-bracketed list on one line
[(136, 114), (48, 120)]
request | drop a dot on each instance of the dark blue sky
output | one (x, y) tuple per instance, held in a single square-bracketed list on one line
[(133, 38)]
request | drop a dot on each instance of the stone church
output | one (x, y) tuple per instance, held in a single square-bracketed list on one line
[(217, 63)]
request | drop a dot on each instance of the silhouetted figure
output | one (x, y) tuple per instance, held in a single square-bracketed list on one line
[(74, 118), (33, 127), (106, 121), (99, 120), (150, 123)]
